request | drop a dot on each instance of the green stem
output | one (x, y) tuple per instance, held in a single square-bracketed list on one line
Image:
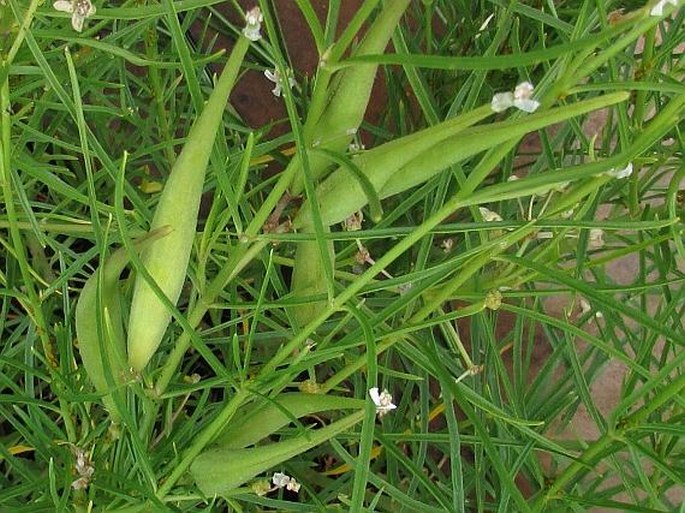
[(33, 307), (204, 439), (19, 39), (151, 42), (240, 259), (334, 305)]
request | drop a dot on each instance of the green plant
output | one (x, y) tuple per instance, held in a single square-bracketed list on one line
[(368, 362)]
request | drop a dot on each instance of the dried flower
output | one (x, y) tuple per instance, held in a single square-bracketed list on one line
[(404, 288), (253, 24), (362, 256), (658, 9), (383, 401), (354, 222), (488, 215), (493, 299), (597, 237), (84, 469), (293, 485), (309, 386), (275, 77), (79, 10), (261, 487)]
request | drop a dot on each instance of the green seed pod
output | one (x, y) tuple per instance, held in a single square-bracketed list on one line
[(167, 260), (219, 471), (406, 162), (99, 327), (309, 279), (350, 94), (340, 193)]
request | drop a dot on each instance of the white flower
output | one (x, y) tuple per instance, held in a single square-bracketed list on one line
[(658, 9), (253, 24), (383, 401), (621, 173), (502, 101), (293, 485), (488, 215), (79, 9), (281, 480), (585, 308), (520, 98), (275, 77)]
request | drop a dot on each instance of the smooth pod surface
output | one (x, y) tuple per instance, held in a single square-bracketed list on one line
[(99, 327), (167, 260), (409, 161), (350, 93)]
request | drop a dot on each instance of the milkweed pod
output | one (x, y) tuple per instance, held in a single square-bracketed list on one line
[(219, 471), (398, 165), (167, 260), (351, 92), (99, 328), (309, 279)]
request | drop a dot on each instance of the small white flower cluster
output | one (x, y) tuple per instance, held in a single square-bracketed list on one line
[(281, 480), (275, 77), (658, 9), (79, 10), (356, 147), (84, 469), (585, 308), (253, 24), (521, 98), (382, 400)]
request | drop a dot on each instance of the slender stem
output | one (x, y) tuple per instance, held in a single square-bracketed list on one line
[(21, 34), (33, 306), (347, 294), (204, 439), (240, 259)]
